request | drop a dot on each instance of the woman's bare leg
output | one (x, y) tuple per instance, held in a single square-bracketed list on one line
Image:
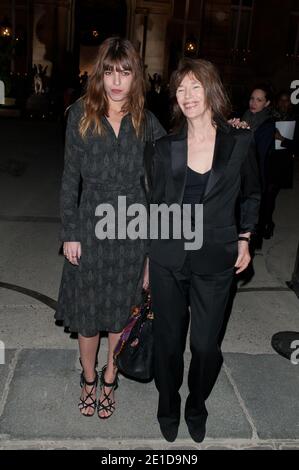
[(110, 372), (88, 351)]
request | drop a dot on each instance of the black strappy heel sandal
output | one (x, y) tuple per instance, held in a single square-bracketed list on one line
[(92, 401), (109, 406)]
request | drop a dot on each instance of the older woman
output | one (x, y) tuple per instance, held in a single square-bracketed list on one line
[(204, 161)]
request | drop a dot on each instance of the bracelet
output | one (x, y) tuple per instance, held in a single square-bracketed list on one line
[(246, 239)]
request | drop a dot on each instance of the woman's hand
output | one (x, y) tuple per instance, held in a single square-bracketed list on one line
[(244, 257), (145, 284), (72, 252), (236, 122)]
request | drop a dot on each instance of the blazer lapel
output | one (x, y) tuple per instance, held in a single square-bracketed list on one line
[(223, 149), (224, 146), (179, 164)]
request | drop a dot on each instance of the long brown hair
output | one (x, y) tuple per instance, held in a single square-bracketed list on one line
[(216, 97), (112, 52)]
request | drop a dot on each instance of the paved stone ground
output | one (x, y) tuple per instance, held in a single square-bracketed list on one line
[(254, 404)]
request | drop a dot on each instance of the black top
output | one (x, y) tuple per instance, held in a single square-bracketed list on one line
[(195, 186), (194, 189)]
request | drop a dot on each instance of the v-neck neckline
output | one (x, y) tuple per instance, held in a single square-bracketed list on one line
[(120, 126)]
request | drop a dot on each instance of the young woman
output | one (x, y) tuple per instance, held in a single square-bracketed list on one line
[(204, 161), (259, 116), (103, 278)]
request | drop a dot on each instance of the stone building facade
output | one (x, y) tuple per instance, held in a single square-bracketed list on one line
[(249, 40)]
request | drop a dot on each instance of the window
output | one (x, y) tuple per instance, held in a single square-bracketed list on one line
[(293, 36), (187, 14), (242, 12), (245, 3)]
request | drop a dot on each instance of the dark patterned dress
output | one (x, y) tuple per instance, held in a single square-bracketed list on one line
[(98, 294)]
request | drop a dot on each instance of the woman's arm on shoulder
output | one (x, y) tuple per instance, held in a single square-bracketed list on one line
[(159, 174), (158, 129)]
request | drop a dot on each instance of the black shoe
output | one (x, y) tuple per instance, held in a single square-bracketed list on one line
[(107, 404), (197, 428), (197, 434), (169, 432), (89, 401)]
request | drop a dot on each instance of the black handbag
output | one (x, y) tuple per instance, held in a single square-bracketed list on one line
[(133, 354)]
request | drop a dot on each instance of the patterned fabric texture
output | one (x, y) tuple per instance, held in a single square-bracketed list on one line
[(98, 294)]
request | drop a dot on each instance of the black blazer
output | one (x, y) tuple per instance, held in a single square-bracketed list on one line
[(233, 187)]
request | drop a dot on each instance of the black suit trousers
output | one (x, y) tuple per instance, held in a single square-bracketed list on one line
[(172, 294)]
